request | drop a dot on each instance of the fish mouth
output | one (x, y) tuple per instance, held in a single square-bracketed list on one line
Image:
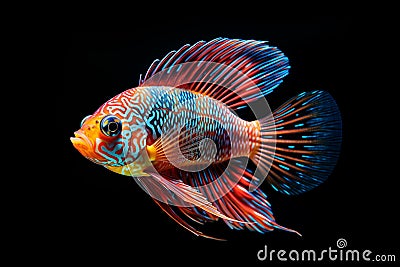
[(81, 142)]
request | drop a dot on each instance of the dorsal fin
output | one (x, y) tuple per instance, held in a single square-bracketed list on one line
[(229, 70)]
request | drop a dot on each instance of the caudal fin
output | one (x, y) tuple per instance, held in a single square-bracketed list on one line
[(300, 145)]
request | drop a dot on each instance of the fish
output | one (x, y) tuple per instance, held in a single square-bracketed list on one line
[(183, 135)]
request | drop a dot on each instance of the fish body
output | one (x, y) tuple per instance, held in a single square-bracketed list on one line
[(179, 136), (197, 117)]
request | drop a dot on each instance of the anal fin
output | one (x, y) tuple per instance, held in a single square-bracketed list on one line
[(178, 219), (228, 189)]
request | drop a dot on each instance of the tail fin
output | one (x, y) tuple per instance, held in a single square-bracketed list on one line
[(305, 134)]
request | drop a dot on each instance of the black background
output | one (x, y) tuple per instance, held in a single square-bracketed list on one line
[(107, 216)]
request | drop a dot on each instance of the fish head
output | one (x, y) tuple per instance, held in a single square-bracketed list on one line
[(113, 140), (99, 139)]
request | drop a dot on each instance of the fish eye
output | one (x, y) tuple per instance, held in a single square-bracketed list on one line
[(111, 126), (84, 119)]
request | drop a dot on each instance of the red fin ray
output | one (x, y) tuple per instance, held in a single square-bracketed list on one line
[(232, 71), (178, 219), (250, 209)]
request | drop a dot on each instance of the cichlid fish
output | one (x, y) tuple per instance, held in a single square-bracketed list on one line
[(178, 134)]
